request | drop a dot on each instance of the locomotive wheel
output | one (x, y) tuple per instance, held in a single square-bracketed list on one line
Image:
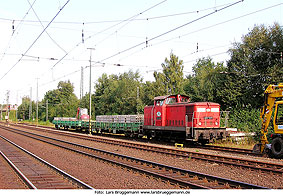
[(277, 147)]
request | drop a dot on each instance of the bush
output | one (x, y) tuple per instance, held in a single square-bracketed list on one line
[(246, 120)]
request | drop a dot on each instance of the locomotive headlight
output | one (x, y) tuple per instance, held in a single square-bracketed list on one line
[(216, 123), (199, 123)]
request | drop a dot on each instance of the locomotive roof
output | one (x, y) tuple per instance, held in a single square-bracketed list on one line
[(166, 96), (203, 103)]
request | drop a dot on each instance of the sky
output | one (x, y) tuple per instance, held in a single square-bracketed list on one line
[(44, 42)]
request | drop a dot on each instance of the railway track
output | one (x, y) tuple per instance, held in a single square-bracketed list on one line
[(208, 147), (35, 172), (220, 159), (184, 178), (230, 149)]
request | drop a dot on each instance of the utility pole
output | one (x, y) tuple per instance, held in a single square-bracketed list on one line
[(30, 105), (16, 107), (37, 102), (90, 88), (8, 108), (82, 83), (138, 97), (46, 110), (1, 111)]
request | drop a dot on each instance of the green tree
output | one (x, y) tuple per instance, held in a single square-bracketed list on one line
[(207, 83), (255, 63), (62, 102), (23, 109), (117, 94), (170, 80)]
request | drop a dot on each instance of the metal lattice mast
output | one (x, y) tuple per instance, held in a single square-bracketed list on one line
[(8, 110), (82, 83)]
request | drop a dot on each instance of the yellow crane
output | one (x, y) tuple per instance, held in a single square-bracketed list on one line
[(271, 102)]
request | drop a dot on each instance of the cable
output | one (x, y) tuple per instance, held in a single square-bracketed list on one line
[(242, 16), (61, 77), (46, 31), (226, 21), (15, 30), (106, 30), (167, 32), (199, 51), (208, 55), (115, 21), (35, 40)]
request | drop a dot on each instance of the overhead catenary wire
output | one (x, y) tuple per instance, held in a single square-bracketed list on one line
[(93, 62), (35, 39), (208, 27), (128, 19), (115, 21), (90, 42), (225, 52), (16, 29), (46, 31), (232, 4), (220, 23), (174, 29)]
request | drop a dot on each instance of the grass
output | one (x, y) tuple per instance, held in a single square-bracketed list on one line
[(45, 123), (247, 143)]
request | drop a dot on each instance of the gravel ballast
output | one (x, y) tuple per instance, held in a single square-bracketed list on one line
[(235, 173)]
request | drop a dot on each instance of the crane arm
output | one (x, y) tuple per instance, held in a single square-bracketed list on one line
[(271, 93)]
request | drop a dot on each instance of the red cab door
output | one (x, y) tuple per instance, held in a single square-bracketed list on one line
[(159, 113)]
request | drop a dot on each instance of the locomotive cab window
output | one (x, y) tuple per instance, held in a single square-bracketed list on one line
[(159, 102), (184, 100), (171, 100)]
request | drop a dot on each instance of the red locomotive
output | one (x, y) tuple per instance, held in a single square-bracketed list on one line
[(172, 117), (175, 117)]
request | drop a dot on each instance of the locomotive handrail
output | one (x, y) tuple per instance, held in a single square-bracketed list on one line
[(193, 117)]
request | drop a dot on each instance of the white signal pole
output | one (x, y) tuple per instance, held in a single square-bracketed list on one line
[(90, 88), (37, 103)]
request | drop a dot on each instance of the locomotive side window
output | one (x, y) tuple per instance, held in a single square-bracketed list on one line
[(184, 100)]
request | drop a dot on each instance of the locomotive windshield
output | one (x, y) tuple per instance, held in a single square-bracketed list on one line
[(159, 102)]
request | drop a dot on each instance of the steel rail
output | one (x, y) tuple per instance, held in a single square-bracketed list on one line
[(229, 149), (166, 168), (240, 162), (61, 172), (209, 147), (17, 170)]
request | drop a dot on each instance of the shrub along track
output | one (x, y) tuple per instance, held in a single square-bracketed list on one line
[(184, 178)]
